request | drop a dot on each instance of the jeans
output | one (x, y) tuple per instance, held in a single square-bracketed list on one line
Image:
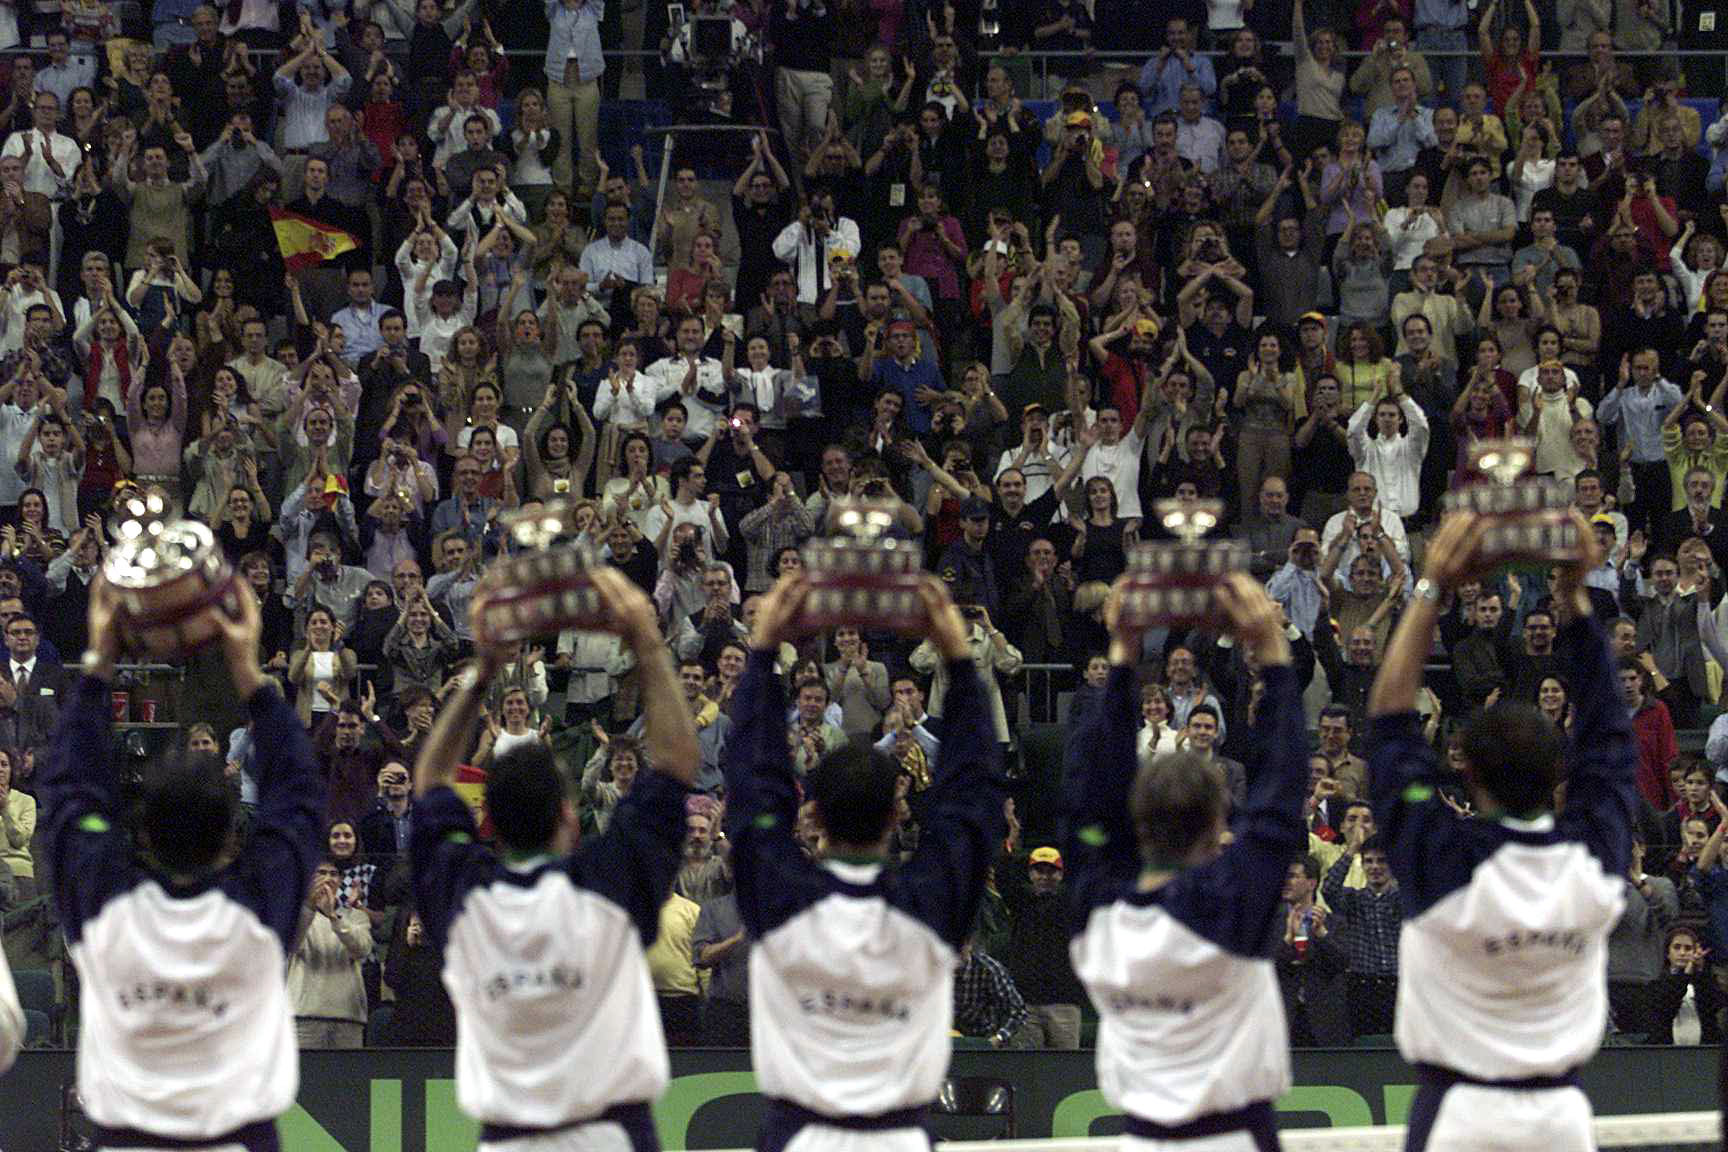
[(1448, 71)]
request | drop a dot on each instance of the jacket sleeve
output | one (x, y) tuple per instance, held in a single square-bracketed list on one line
[(943, 884), (1601, 789), (273, 874), (1100, 848), (774, 878), (89, 855)]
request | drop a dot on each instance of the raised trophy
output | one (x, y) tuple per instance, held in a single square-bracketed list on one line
[(544, 587), (859, 574), (169, 576), (1528, 518), (1171, 582)]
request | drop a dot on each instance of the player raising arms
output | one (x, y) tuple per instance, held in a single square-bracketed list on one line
[(558, 1037), (852, 970), (1502, 971), (186, 1033), (1173, 936)]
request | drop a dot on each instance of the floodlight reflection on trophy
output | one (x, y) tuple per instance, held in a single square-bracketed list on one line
[(859, 574), (543, 587), (1527, 517), (169, 575), (1172, 582)]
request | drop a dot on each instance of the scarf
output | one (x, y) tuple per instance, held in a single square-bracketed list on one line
[(93, 374)]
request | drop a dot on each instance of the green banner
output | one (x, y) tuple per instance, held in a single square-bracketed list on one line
[(403, 1100)]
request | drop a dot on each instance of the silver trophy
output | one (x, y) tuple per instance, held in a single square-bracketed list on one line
[(859, 574), (169, 576), (1170, 582), (543, 587), (1528, 518)]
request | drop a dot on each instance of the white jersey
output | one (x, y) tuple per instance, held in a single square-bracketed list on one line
[(1190, 1018), (11, 1017), (852, 1003), (1505, 976), (556, 1020), (852, 970), (1502, 957), (186, 1029)]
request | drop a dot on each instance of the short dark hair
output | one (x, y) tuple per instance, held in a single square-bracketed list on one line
[(187, 811), (525, 797), (1514, 756), (1310, 865), (854, 790), (1205, 710), (1177, 800), (1375, 844)]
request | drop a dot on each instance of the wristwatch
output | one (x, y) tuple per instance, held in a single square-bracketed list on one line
[(1426, 589)]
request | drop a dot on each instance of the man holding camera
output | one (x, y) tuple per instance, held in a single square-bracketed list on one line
[(810, 243), (1372, 79), (326, 582)]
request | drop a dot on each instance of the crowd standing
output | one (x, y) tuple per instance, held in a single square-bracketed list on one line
[(1251, 269)]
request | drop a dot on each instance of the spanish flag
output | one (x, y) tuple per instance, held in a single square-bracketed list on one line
[(305, 242)]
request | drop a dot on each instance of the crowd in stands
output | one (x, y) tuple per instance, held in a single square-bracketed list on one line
[(1296, 259)]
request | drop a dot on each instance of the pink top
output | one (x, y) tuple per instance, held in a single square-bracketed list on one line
[(156, 447), (926, 257)]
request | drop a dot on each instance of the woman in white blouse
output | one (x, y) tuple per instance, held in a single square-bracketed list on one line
[(427, 256), (624, 402), (1410, 228), (1532, 170)]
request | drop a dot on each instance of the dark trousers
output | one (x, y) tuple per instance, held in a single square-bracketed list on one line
[(725, 1024), (1373, 1000), (682, 1018), (1650, 504)]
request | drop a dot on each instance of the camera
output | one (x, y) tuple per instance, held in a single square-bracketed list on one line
[(972, 612), (687, 552), (876, 487), (1212, 250)]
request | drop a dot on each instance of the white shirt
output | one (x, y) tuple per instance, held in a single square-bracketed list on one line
[(1118, 463), (796, 246), (1407, 243), (630, 402), (38, 177), (1200, 143), (1395, 462), (708, 401)]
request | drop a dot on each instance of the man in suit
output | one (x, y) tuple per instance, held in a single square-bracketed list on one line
[(1698, 518), (1199, 736), (30, 685)]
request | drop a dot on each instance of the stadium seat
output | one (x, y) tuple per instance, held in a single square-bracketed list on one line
[(974, 1099), (37, 1029), (379, 1030), (36, 994)]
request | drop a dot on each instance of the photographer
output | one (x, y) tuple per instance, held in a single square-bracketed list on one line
[(323, 580), (400, 472), (810, 243)]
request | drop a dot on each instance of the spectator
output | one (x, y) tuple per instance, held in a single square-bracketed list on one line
[(324, 981), (1369, 918), (1037, 954)]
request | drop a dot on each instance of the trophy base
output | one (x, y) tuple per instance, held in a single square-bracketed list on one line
[(1528, 521), (1152, 603), (1532, 538), (889, 603), (1172, 582), (174, 619), (519, 614)]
